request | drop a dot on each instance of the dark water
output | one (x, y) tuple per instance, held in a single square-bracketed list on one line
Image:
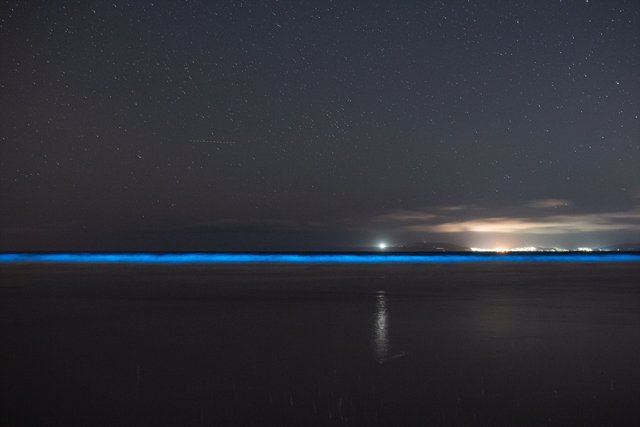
[(450, 345)]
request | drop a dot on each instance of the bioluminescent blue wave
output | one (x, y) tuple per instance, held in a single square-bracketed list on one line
[(307, 258)]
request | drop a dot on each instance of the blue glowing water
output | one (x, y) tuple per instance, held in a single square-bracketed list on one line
[(310, 258)]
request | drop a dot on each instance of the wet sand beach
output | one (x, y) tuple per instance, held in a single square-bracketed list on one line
[(292, 345)]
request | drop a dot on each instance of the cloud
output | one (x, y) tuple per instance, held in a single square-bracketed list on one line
[(406, 216), (549, 203), (549, 225), (520, 224), (454, 208)]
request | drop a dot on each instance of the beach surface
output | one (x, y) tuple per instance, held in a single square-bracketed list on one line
[(530, 344)]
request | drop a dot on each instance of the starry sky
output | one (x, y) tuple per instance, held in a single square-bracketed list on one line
[(275, 125)]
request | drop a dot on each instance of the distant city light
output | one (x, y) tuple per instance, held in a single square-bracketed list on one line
[(382, 246), (503, 249), (529, 249)]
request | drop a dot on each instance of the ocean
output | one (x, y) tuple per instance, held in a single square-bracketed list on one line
[(502, 343)]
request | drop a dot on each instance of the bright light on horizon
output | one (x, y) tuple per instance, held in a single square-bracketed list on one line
[(382, 246), (529, 249), (505, 249)]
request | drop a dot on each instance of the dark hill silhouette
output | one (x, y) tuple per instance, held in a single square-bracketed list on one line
[(429, 247), (627, 247)]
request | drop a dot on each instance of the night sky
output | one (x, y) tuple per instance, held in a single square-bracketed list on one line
[(198, 125)]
